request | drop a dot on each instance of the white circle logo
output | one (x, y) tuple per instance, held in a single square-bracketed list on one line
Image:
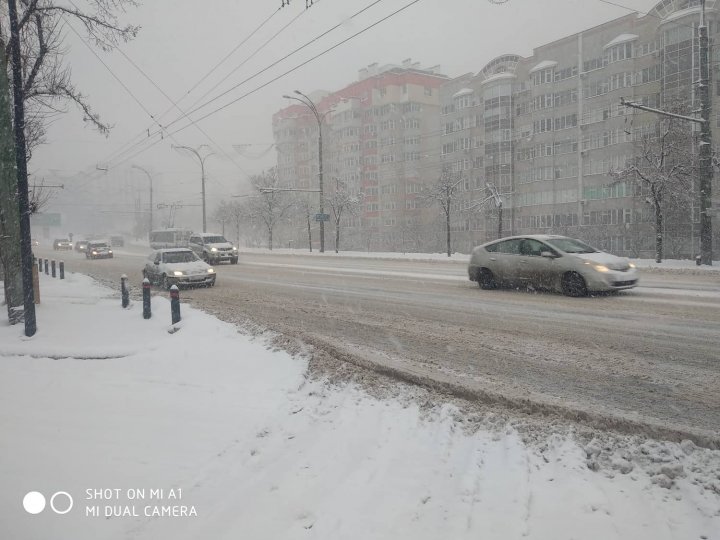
[(70, 502), (34, 502)]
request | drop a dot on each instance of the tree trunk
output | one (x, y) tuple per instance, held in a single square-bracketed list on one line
[(337, 236), (309, 233), (658, 234), (447, 227), (270, 238), (10, 257)]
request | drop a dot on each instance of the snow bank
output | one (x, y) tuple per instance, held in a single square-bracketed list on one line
[(102, 400)]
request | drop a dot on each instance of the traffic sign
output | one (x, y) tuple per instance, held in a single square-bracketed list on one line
[(322, 217)]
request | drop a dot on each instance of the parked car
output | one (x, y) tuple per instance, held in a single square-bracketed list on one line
[(62, 244), (213, 248), (177, 266), (81, 246), (98, 250), (550, 262), (117, 241)]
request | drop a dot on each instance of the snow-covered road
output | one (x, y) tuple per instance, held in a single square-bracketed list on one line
[(645, 359), (105, 407)]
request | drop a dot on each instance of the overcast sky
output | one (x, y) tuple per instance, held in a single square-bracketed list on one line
[(182, 40)]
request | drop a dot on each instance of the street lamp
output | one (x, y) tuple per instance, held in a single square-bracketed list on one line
[(151, 196), (305, 100), (201, 159)]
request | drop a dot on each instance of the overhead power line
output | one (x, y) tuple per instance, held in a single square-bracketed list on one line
[(329, 49)]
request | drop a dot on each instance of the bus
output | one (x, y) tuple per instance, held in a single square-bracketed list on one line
[(169, 238)]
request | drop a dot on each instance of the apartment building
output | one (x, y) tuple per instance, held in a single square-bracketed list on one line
[(377, 134), (546, 132), (543, 135)]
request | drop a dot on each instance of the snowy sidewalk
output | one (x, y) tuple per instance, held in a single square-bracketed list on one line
[(209, 433)]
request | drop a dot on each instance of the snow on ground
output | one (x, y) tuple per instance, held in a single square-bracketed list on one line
[(234, 430)]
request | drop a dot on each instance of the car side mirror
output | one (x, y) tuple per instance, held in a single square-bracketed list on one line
[(548, 254)]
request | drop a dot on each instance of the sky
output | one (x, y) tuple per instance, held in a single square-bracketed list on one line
[(181, 41)]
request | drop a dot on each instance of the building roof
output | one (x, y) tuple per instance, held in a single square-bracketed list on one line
[(622, 38), (544, 65)]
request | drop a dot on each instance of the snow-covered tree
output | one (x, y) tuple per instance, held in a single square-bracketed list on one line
[(444, 193), (342, 202), (272, 202), (662, 172)]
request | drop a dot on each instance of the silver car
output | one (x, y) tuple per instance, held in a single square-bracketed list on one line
[(177, 266), (549, 262)]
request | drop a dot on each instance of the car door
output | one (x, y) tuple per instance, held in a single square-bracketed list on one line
[(505, 260), (534, 269)]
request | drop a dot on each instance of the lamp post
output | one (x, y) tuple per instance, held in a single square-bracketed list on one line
[(305, 100), (151, 196), (201, 159)]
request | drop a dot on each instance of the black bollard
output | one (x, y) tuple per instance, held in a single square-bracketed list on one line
[(175, 303), (47, 267), (698, 260), (52, 268), (62, 269), (39, 266), (124, 291), (147, 313)]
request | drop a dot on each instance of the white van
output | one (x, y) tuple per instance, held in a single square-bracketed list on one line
[(169, 238)]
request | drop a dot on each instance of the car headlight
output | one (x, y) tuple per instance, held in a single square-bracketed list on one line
[(110, 251), (94, 252), (234, 248), (176, 273), (213, 249), (211, 270), (632, 265), (601, 268)]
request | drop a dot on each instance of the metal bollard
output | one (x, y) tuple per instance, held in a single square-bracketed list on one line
[(698, 260), (175, 303), (47, 267), (147, 313), (62, 269), (39, 262), (52, 268), (124, 291)]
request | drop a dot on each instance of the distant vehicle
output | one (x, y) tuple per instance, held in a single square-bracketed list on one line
[(62, 244), (117, 241), (98, 250), (552, 262), (177, 266), (169, 238), (213, 248), (81, 246)]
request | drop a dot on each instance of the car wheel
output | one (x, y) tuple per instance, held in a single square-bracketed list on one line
[(486, 280), (573, 284)]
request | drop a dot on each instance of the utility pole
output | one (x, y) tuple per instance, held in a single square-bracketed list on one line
[(151, 196), (305, 100), (22, 178), (706, 170), (201, 159), (702, 95)]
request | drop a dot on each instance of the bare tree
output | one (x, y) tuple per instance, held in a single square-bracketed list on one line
[(306, 209), (341, 202), (47, 83), (662, 171), (272, 204), (444, 193), (223, 214)]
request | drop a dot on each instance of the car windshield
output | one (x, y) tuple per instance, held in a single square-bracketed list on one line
[(98, 245), (214, 240), (570, 245), (179, 257)]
